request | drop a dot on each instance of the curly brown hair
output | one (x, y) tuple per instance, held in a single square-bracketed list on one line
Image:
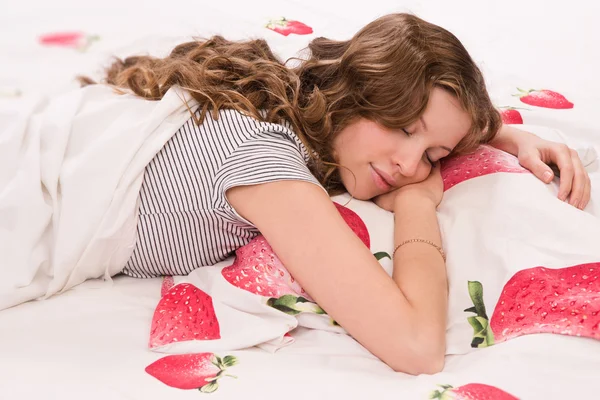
[(385, 73)]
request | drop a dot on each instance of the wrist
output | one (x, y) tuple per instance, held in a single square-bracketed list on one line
[(413, 198)]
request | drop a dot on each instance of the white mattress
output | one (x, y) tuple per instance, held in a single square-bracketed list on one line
[(91, 342)]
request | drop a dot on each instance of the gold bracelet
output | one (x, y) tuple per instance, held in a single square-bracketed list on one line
[(429, 242)]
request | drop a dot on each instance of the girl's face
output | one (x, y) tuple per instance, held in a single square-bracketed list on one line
[(383, 159)]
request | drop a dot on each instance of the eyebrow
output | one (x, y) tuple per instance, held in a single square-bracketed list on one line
[(449, 150)]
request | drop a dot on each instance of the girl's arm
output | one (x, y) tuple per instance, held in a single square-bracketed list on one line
[(507, 138), (400, 320)]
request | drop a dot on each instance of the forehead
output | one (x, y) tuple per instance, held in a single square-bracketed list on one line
[(444, 120), (445, 111), (442, 101)]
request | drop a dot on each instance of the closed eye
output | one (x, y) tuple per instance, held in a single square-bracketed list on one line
[(426, 155), (429, 159)]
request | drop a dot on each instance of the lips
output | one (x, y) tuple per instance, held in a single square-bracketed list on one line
[(378, 178), (387, 178)]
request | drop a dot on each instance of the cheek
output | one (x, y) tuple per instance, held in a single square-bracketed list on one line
[(344, 149)]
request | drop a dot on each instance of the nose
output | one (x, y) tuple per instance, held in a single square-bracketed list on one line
[(409, 164)]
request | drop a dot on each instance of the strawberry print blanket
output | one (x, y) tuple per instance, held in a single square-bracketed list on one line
[(521, 265), (520, 262)]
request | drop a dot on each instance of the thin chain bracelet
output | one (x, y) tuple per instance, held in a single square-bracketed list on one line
[(429, 242)]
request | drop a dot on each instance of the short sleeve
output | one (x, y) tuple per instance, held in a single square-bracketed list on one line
[(263, 158)]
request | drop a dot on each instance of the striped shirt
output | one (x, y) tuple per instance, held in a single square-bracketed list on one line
[(184, 219)]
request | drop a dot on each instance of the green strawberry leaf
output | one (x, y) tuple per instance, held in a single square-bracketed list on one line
[(219, 360), (229, 361), (216, 361), (287, 300), (477, 342), (482, 335), (316, 309), (476, 293), (209, 388), (437, 394), (477, 327), (310, 306), (381, 255), (285, 309), (284, 304), (290, 304), (523, 92)]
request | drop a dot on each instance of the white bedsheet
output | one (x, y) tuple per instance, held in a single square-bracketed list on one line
[(91, 342)]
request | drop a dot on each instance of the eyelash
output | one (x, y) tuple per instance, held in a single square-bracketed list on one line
[(410, 135)]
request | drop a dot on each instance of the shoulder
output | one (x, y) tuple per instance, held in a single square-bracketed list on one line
[(246, 129)]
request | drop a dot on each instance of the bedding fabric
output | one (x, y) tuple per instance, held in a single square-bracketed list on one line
[(67, 214), (523, 266)]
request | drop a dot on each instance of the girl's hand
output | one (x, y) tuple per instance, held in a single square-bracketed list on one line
[(431, 189), (535, 154)]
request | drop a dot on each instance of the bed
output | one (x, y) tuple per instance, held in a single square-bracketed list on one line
[(92, 341)]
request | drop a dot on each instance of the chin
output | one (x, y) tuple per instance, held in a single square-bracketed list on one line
[(360, 195)]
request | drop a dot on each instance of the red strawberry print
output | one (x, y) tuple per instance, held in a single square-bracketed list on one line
[(563, 301), (355, 223), (184, 313), (511, 115), (484, 161), (471, 391), (544, 98), (285, 27), (167, 284), (192, 371), (258, 270), (75, 40)]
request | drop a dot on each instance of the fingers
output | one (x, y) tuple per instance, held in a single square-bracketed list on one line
[(562, 157), (581, 187), (575, 184), (540, 169), (574, 180), (587, 193)]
